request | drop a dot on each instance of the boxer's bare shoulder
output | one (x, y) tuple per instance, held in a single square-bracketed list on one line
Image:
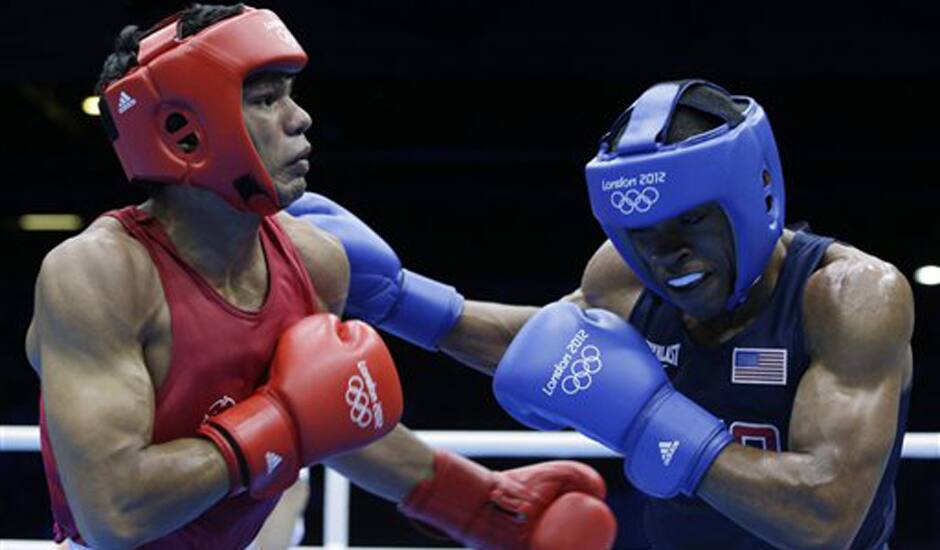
[(609, 283), (101, 279), (325, 260), (859, 310)]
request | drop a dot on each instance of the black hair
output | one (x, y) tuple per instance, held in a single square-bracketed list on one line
[(690, 121), (127, 44)]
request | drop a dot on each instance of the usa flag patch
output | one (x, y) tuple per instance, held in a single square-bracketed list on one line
[(759, 366)]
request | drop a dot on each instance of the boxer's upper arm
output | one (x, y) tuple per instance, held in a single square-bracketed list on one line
[(608, 283), (858, 323), (325, 259), (32, 346), (97, 393)]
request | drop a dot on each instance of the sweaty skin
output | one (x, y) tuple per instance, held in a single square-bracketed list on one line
[(100, 339), (858, 319)]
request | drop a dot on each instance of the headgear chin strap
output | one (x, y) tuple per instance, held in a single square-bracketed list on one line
[(638, 180), (176, 118)]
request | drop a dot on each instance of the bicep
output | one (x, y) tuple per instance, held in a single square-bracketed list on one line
[(97, 393), (858, 319), (32, 347), (847, 426), (97, 406)]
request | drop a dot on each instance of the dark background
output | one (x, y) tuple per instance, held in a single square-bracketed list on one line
[(459, 131)]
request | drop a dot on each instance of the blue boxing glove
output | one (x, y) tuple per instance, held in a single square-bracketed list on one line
[(594, 372), (408, 305)]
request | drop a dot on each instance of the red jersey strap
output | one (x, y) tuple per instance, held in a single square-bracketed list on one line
[(133, 219)]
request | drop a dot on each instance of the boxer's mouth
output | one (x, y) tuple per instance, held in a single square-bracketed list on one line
[(299, 165), (687, 281), (301, 156)]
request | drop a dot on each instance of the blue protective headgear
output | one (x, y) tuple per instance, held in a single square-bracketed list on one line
[(638, 180)]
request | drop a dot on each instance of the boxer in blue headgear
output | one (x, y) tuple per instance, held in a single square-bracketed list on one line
[(639, 179), (755, 379)]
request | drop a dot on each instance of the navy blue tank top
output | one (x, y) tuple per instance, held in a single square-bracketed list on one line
[(750, 382)]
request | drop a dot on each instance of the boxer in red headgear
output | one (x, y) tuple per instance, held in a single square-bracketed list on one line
[(177, 118), (189, 353)]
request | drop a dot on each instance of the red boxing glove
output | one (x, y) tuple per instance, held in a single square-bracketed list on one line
[(549, 506), (332, 387)]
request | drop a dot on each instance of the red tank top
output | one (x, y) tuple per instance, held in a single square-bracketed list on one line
[(220, 355)]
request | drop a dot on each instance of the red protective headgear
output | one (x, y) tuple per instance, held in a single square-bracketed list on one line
[(177, 117)]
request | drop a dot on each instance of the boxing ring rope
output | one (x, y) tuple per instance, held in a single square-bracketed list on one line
[(503, 444)]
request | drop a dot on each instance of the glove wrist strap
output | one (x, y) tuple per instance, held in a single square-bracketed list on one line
[(672, 445), (425, 312), (452, 497), (261, 436)]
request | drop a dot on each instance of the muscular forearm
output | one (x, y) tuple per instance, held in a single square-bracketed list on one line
[(483, 333), (154, 493), (390, 467), (281, 526), (789, 499)]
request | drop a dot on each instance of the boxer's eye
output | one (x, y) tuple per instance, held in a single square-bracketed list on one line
[(693, 218), (266, 100)]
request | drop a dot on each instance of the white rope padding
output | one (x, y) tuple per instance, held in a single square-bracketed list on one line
[(499, 444), (924, 445), (25, 544)]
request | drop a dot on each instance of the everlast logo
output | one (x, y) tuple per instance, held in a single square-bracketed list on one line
[(667, 355)]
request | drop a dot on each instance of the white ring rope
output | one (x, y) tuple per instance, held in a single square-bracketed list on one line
[(499, 443), (925, 445)]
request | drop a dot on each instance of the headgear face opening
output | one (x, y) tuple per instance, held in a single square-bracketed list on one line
[(176, 118), (637, 180)]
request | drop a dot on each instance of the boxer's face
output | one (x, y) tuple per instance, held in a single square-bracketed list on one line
[(276, 125), (692, 256)]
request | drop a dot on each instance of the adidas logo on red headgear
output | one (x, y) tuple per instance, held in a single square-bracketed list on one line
[(125, 102)]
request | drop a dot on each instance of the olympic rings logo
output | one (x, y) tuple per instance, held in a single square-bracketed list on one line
[(631, 200), (581, 370), (358, 400)]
